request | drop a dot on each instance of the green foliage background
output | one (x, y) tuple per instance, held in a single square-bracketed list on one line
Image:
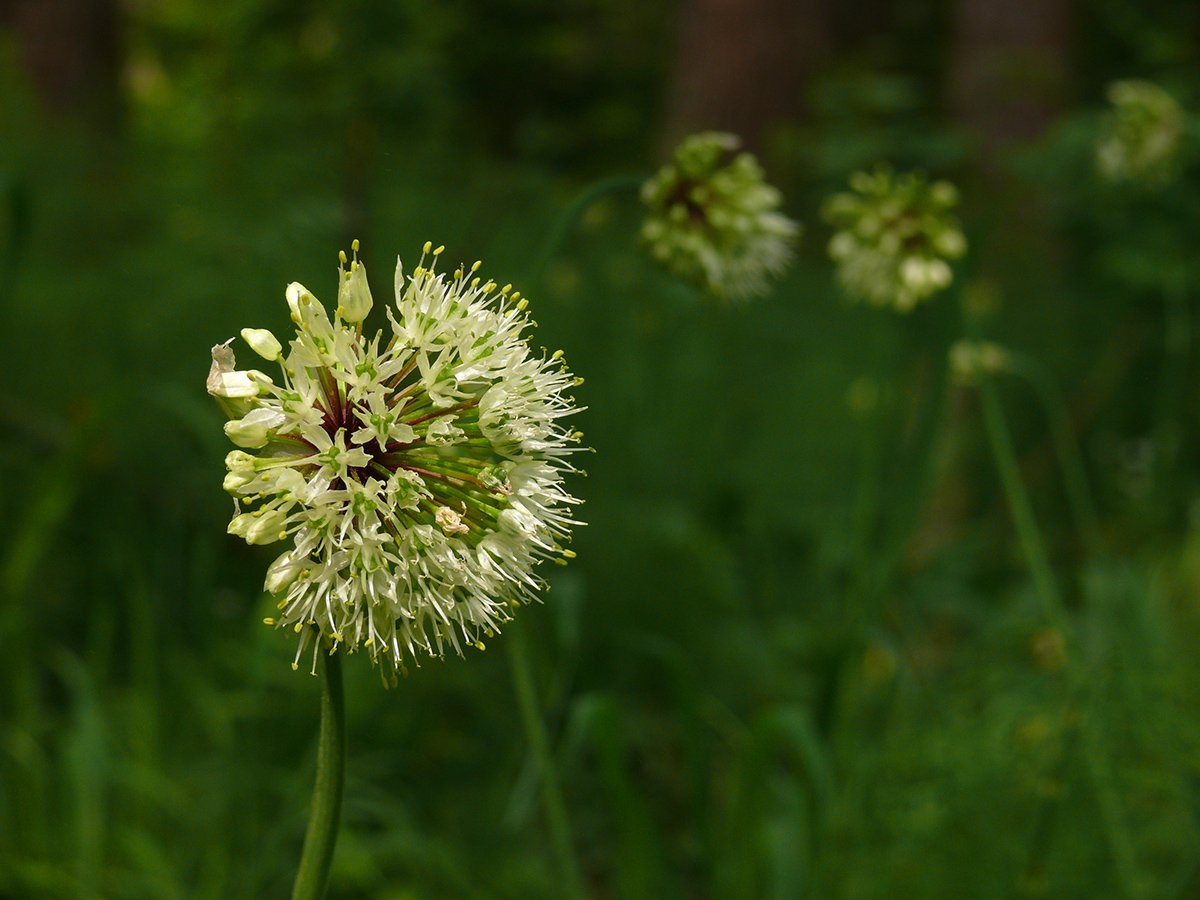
[(799, 654)]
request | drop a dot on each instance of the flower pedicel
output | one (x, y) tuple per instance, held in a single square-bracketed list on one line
[(418, 472)]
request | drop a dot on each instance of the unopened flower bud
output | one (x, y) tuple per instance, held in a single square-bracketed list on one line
[(354, 294), (253, 429), (254, 528), (263, 343)]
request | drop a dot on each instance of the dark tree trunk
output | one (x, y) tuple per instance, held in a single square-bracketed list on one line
[(70, 49), (1008, 82), (1009, 68), (740, 65)]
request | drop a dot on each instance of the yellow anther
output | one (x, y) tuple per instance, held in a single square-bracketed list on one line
[(428, 246), (438, 251), (475, 265), (295, 666), (557, 354), (342, 256), (560, 561), (354, 245), (516, 295), (569, 554), (479, 645), (578, 380), (522, 304), (299, 627), (268, 621), (504, 290)]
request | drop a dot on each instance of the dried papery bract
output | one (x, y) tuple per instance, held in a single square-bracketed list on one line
[(418, 471)]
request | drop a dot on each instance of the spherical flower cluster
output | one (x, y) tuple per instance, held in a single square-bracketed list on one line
[(713, 220), (970, 359), (418, 472), (1141, 134), (895, 235)]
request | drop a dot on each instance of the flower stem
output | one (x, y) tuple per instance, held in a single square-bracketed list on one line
[(1177, 341), (312, 878), (565, 223), (1070, 459), (535, 732), (1096, 759), (1019, 505)]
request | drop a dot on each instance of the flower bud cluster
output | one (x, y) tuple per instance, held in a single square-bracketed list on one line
[(970, 359), (1140, 135), (418, 472), (895, 236), (713, 220)]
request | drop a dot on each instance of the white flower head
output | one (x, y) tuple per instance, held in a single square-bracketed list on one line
[(1140, 135), (418, 473), (712, 218), (895, 236), (969, 359)]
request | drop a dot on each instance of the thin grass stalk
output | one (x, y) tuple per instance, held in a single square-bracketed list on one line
[(1177, 341), (1066, 447), (1097, 763), (1019, 505)]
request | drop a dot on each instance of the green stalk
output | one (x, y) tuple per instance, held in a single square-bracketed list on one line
[(1177, 341), (535, 733), (565, 223), (1070, 460), (1019, 505), (1099, 766), (312, 878)]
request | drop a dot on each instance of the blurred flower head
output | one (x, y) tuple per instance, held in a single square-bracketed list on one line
[(1140, 134), (895, 236), (713, 220), (970, 359), (418, 472)]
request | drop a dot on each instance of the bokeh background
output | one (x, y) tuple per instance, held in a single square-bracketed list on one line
[(800, 653)]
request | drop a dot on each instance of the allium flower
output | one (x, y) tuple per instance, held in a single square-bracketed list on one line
[(418, 472), (968, 359), (713, 220), (895, 236), (1141, 134)]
